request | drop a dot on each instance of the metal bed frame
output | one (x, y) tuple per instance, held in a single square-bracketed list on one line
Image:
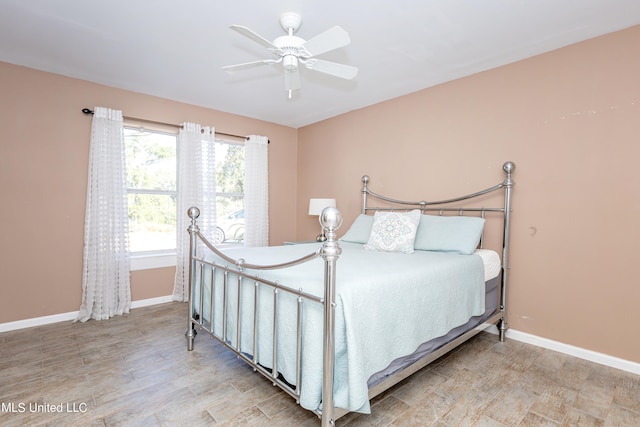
[(330, 251)]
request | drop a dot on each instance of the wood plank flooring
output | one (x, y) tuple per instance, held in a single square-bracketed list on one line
[(134, 370)]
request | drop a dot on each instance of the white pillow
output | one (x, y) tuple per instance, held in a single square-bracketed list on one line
[(393, 231)]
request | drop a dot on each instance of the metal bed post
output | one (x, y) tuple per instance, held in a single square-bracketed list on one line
[(508, 167), (193, 229), (330, 219), (365, 180)]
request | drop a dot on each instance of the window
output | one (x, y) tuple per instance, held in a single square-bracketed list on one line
[(230, 193), (151, 163), (151, 168)]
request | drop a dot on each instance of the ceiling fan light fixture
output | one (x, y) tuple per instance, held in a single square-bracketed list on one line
[(290, 62)]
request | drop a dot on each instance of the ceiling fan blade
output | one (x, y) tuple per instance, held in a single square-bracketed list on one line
[(253, 36), (333, 38), (231, 68), (291, 80), (333, 68)]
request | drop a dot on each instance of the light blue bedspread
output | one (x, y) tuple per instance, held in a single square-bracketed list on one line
[(387, 304)]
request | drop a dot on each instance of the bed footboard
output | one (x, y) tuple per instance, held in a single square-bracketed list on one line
[(330, 219)]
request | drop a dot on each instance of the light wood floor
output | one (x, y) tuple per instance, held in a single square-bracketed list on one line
[(135, 370)]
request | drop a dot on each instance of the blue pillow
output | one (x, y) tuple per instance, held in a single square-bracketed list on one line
[(459, 234), (360, 230)]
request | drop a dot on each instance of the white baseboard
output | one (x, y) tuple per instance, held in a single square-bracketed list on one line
[(151, 301), (581, 353), (578, 352), (64, 317)]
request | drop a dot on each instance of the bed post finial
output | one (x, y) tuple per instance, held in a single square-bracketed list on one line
[(193, 213), (365, 181), (331, 220), (508, 168)]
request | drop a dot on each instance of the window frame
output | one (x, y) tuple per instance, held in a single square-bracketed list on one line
[(146, 260)]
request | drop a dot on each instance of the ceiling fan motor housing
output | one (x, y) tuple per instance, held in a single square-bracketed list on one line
[(290, 51)]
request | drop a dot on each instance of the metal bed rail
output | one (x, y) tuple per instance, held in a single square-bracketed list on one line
[(250, 356)]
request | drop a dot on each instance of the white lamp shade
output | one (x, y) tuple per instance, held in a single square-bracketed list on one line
[(317, 205)]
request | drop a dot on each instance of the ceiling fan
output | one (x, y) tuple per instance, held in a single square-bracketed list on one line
[(291, 51)]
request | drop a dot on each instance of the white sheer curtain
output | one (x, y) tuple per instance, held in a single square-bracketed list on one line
[(256, 191), (106, 289), (196, 187)]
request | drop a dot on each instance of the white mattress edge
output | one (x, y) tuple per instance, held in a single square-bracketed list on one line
[(491, 261)]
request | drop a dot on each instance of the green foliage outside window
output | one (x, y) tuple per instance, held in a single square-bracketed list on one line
[(229, 179), (151, 180), (151, 169)]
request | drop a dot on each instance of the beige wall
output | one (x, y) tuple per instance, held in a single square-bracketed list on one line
[(570, 119), (44, 150)]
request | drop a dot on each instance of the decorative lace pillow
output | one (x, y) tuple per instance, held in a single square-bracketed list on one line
[(393, 231)]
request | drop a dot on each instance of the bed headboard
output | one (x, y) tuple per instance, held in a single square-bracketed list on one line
[(462, 205), (457, 205)]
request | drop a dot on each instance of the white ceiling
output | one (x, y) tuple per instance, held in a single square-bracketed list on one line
[(175, 49)]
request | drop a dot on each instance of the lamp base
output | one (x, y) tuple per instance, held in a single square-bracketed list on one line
[(321, 237)]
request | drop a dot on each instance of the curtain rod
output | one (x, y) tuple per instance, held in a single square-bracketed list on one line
[(89, 111)]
